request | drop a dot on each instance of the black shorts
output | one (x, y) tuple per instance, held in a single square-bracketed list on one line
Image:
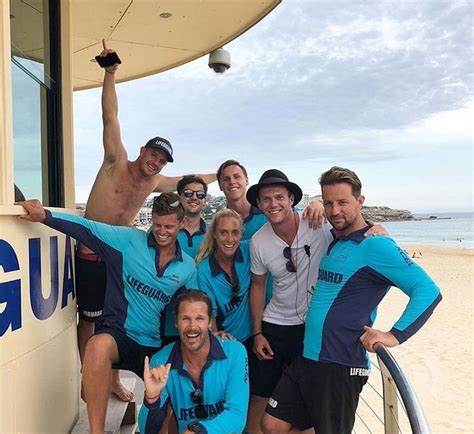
[(286, 343), (132, 354), (91, 280), (319, 395)]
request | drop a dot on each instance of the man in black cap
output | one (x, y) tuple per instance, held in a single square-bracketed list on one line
[(120, 188), (290, 251)]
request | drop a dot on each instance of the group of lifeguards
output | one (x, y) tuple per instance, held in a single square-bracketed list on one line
[(261, 321)]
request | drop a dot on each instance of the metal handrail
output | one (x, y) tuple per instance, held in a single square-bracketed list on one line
[(415, 414)]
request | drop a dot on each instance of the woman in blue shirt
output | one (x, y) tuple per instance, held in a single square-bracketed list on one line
[(224, 274)]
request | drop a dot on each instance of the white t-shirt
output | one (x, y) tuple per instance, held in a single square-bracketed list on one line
[(291, 290)]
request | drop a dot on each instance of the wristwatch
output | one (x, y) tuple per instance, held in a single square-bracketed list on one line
[(196, 427)]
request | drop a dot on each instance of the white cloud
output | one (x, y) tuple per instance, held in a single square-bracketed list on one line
[(383, 86)]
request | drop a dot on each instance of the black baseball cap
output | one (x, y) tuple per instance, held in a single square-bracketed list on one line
[(163, 145)]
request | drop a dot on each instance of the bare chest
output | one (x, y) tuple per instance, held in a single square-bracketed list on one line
[(116, 199)]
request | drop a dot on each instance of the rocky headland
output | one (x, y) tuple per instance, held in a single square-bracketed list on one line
[(385, 214)]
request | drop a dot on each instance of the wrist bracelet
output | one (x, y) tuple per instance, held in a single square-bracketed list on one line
[(256, 334)]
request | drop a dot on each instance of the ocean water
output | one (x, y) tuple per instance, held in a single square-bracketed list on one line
[(449, 229)]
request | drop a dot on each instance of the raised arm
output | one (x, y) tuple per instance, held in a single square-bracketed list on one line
[(113, 147), (166, 184)]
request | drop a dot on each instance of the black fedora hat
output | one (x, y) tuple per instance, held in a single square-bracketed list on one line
[(274, 177)]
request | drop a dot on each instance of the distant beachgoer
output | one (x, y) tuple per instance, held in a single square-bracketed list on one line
[(321, 387), (146, 269), (119, 190)]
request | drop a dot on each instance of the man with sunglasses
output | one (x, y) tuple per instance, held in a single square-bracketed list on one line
[(204, 377), (144, 270), (193, 191)]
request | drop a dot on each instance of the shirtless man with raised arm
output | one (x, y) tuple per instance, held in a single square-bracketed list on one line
[(119, 190)]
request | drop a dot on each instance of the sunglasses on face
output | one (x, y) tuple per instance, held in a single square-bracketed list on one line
[(290, 266), (199, 409), (200, 194)]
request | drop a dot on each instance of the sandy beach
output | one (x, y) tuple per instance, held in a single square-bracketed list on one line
[(438, 360)]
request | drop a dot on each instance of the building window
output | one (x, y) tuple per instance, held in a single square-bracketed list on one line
[(36, 100)]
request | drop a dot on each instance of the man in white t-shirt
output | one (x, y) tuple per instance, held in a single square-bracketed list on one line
[(288, 249)]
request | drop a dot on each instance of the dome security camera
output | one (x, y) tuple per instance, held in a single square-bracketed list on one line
[(219, 60)]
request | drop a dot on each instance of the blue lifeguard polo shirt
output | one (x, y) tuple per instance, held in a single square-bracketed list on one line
[(191, 243), (233, 317), (354, 276), (224, 386), (137, 289)]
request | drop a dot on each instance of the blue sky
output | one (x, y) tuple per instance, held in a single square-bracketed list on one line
[(384, 88)]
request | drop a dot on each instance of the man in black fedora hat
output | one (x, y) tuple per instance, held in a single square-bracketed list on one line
[(288, 249)]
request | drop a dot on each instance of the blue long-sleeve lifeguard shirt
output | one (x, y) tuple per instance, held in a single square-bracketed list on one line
[(354, 276), (224, 384), (137, 290)]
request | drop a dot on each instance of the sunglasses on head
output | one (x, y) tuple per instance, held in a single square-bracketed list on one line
[(159, 199), (290, 266), (200, 194), (199, 409)]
